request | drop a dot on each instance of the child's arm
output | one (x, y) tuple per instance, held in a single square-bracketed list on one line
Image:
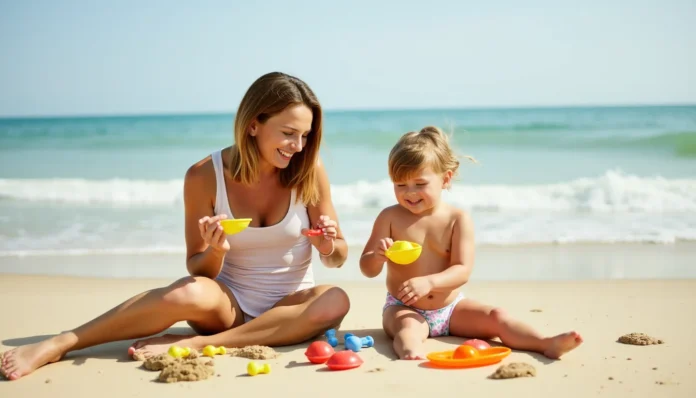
[(461, 257), (372, 259)]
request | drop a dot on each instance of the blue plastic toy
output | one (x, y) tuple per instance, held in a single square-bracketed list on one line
[(331, 337), (355, 343)]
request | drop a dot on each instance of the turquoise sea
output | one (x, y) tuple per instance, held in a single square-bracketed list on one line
[(80, 185)]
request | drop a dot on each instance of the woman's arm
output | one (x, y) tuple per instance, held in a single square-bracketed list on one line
[(325, 207), (202, 259)]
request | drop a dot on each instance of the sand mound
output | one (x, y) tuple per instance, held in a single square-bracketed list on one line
[(254, 352), (639, 339), (158, 362), (187, 370), (512, 370), (179, 369)]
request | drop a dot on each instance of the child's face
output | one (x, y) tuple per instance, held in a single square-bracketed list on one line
[(422, 191)]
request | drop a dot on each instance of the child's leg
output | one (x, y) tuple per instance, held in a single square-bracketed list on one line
[(473, 319), (408, 329)]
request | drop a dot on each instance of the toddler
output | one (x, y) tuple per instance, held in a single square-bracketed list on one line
[(423, 298)]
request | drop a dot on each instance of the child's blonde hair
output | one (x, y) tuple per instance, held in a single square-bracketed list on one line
[(416, 150)]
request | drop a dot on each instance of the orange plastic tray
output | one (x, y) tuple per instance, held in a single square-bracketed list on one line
[(486, 357)]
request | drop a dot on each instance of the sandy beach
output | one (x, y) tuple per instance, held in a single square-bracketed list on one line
[(601, 310)]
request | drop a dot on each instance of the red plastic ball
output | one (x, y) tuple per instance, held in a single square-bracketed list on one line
[(319, 352), (478, 344), (343, 360)]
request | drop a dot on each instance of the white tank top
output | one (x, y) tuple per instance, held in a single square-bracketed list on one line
[(264, 264)]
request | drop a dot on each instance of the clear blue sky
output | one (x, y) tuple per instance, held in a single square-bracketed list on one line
[(97, 57)]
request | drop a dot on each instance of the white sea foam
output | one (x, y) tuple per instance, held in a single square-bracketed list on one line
[(612, 208), (612, 191)]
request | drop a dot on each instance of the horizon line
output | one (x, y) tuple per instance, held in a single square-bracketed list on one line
[(347, 110)]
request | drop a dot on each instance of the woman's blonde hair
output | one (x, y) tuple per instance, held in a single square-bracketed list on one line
[(416, 150), (269, 95)]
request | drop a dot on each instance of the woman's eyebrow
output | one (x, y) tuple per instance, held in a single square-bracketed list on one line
[(296, 130)]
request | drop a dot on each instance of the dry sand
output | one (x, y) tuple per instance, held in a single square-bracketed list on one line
[(35, 306)]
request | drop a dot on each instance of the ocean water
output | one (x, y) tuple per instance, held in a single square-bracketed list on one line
[(75, 186)]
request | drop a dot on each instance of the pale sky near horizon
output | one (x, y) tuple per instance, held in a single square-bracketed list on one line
[(96, 58)]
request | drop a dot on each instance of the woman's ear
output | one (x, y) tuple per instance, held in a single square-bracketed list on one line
[(253, 128)]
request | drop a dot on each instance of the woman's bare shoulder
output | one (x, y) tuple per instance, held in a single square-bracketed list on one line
[(200, 177), (200, 171)]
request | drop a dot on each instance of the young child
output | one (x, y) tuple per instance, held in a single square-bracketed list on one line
[(422, 297)]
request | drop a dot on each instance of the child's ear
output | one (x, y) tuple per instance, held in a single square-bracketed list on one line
[(447, 179)]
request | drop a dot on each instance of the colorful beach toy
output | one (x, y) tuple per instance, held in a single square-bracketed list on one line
[(331, 337), (179, 352), (254, 368), (315, 232), (235, 226), (344, 360), (403, 252), (211, 351), (319, 352), (468, 357), (478, 344)]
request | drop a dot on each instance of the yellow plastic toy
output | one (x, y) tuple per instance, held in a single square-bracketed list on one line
[(235, 226), (211, 351), (403, 252), (179, 352), (254, 368)]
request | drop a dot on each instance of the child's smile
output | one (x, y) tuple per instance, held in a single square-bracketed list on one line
[(414, 202)]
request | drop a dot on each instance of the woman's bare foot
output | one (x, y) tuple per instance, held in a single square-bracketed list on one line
[(143, 349), (23, 360), (561, 344)]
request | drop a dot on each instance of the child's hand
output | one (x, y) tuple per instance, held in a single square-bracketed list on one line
[(414, 289), (382, 246)]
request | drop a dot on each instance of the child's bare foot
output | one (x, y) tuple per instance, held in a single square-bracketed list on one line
[(25, 359), (412, 355), (561, 344), (412, 351), (146, 348)]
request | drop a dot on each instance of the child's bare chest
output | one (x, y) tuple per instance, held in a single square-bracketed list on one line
[(435, 235)]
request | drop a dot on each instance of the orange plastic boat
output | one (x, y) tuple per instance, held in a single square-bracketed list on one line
[(486, 357)]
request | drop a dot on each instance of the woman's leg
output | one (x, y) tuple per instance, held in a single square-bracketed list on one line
[(475, 320), (197, 299), (294, 319), (408, 329)]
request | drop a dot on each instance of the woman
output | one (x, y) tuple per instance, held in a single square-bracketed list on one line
[(255, 287)]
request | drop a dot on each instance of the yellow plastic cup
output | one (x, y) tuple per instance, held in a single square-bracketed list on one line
[(403, 252), (235, 226)]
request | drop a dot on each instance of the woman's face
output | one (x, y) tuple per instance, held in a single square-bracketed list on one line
[(283, 135)]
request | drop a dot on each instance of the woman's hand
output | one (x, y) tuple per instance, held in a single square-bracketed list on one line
[(323, 235), (212, 233)]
